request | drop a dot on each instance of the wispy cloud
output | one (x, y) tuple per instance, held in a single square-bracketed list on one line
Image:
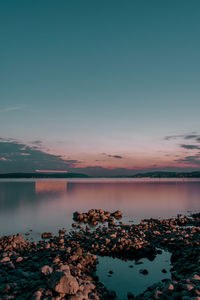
[(113, 155), (12, 108), (192, 136), (193, 159), (190, 147)]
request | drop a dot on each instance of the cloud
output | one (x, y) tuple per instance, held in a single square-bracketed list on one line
[(190, 147), (37, 142), (19, 157), (192, 136), (192, 159), (113, 156), (12, 108)]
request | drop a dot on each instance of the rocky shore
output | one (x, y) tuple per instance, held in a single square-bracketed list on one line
[(63, 266)]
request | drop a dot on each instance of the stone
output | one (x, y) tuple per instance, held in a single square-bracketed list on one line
[(5, 259), (158, 294), (189, 287), (19, 259), (170, 287), (144, 271), (65, 268), (196, 277), (46, 235), (37, 295), (46, 270), (63, 283)]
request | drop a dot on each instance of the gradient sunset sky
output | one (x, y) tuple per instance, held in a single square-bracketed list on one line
[(100, 87)]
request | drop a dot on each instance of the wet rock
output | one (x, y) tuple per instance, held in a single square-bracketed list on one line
[(164, 271), (144, 271)]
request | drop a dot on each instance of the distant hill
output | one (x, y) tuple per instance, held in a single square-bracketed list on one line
[(158, 174), (43, 175)]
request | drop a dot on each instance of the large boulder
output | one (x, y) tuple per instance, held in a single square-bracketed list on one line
[(63, 283)]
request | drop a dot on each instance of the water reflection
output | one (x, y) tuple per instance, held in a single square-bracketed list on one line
[(126, 276), (43, 187), (48, 204)]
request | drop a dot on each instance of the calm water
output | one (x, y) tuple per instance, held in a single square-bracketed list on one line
[(129, 279), (47, 205)]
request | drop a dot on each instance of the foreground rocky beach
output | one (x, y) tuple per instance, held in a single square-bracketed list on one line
[(64, 266)]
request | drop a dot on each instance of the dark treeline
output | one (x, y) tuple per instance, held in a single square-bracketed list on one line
[(43, 175), (156, 174)]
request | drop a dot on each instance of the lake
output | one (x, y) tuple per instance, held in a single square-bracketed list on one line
[(36, 206), (47, 205)]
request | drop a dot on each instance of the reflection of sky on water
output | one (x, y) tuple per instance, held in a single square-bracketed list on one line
[(48, 205), (125, 279)]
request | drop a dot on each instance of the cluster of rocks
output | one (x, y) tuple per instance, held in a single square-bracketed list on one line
[(56, 269), (94, 216), (63, 266), (184, 289)]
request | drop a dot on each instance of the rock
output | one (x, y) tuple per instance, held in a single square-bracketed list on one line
[(19, 259), (144, 271), (117, 214), (46, 270), (63, 283), (65, 268), (37, 295), (164, 271), (170, 287), (46, 235), (196, 277), (189, 287), (158, 295), (62, 232), (130, 296), (5, 259)]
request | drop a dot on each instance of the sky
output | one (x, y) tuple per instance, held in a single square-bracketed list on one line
[(100, 87)]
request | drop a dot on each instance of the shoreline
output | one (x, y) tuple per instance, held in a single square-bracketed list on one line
[(63, 266)]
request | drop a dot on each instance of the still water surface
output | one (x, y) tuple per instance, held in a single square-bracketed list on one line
[(126, 276), (47, 205)]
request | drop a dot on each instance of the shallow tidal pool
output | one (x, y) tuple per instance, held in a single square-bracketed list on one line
[(124, 276)]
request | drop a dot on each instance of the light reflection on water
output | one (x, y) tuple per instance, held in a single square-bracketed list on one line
[(47, 205)]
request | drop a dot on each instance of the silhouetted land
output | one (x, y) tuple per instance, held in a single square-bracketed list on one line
[(43, 175), (167, 175), (81, 175)]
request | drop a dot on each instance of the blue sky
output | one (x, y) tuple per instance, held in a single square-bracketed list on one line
[(93, 80)]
